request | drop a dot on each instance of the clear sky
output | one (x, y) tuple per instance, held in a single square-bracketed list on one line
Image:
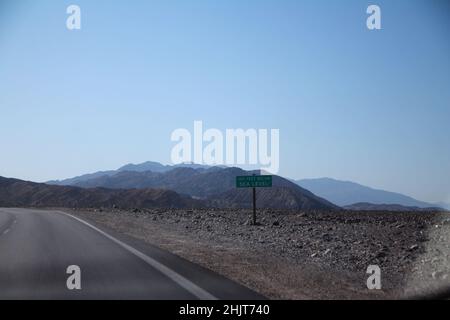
[(367, 106)]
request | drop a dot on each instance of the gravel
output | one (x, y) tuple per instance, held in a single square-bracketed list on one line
[(301, 255)]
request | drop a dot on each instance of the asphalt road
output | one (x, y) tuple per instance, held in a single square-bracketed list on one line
[(37, 247)]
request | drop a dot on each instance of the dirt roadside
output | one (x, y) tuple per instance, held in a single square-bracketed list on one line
[(299, 255)]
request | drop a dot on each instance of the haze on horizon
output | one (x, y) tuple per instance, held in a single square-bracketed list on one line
[(371, 107)]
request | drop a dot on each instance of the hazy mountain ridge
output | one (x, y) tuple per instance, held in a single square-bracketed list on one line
[(142, 167), (215, 184), (18, 193), (201, 181), (77, 179), (444, 205), (363, 206), (178, 188), (345, 193)]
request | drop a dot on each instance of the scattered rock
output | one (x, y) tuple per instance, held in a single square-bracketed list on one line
[(439, 275), (348, 241), (423, 239)]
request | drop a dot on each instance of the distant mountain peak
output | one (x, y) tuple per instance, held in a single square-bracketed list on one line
[(145, 166), (152, 166)]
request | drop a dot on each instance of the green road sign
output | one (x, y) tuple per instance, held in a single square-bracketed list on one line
[(254, 182)]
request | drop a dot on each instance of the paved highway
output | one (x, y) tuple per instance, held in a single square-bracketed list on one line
[(37, 247)]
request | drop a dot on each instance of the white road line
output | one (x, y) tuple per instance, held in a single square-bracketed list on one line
[(176, 277), (6, 231)]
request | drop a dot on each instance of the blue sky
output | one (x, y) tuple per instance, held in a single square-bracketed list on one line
[(367, 106)]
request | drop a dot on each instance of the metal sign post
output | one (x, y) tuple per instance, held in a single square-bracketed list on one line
[(254, 182)]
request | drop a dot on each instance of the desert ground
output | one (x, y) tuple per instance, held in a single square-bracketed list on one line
[(300, 254)]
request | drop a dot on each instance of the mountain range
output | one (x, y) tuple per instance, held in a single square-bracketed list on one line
[(346, 193), (183, 186), (194, 180), (142, 167), (216, 186), (18, 193), (442, 204), (364, 206)]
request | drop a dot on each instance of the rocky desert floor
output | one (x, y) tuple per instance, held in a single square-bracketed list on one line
[(301, 255)]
